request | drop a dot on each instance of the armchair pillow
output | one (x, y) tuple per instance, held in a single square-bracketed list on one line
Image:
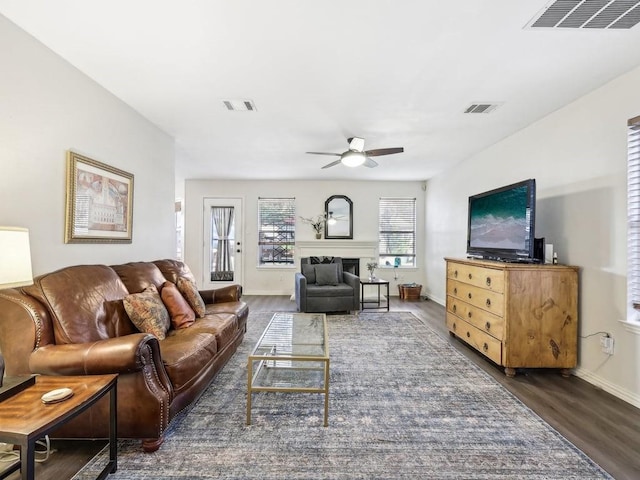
[(327, 274), (189, 291), (182, 315), (147, 312), (309, 271)]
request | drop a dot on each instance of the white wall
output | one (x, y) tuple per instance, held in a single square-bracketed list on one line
[(578, 157), (48, 107), (310, 197)]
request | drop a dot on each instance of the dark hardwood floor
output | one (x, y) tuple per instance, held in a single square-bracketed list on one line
[(604, 427)]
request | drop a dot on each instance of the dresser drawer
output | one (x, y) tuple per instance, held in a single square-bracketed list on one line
[(486, 300), (487, 278), (481, 341), (488, 322)]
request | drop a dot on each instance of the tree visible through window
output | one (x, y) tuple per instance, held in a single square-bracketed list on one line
[(276, 231), (397, 236)]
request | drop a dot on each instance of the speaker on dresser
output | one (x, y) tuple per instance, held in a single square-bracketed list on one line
[(538, 250)]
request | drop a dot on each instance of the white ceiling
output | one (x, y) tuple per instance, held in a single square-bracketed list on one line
[(396, 72)]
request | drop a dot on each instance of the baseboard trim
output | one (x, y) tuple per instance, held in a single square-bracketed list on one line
[(615, 390)]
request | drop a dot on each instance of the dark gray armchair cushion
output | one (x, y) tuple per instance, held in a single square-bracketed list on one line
[(327, 274), (309, 271)]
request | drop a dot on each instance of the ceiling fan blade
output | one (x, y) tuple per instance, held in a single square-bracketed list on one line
[(370, 163), (332, 164), (383, 151), (356, 144), (326, 153)]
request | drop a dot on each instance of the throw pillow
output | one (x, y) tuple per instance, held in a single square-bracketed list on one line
[(147, 312), (309, 271), (327, 274), (182, 316), (189, 291)]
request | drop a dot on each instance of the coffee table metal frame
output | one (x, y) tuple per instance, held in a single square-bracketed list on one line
[(292, 355)]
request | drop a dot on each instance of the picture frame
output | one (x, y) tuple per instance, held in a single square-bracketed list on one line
[(338, 210), (99, 202)]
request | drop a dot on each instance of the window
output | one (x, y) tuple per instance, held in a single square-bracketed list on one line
[(397, 239), (633, 217), (276, 231)]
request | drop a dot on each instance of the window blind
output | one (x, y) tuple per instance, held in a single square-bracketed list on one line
[(397, 232), (276, 231), (633, 212)]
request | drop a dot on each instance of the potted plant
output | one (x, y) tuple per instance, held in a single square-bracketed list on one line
[(372, 269), (317, 223)]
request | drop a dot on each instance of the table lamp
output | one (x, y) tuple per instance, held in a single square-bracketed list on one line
[(15, 264)]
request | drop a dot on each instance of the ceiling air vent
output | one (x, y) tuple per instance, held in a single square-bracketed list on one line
[(239, 105), (594, 14), (484, 107)]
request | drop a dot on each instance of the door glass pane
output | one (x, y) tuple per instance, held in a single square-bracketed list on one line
[(222, 244)]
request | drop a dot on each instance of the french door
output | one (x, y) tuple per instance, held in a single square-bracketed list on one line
[(222, 242)]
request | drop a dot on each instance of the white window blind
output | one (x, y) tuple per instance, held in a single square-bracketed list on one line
[(633, 212), (397, 235), (276, 231)]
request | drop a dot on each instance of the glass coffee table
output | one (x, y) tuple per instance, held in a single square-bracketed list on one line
[(292, 355)]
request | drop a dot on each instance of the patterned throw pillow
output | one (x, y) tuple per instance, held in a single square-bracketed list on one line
[(189, 291), (147, 312), (181, 314)]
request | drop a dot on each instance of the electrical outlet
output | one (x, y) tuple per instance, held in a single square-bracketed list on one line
[(606, 343)]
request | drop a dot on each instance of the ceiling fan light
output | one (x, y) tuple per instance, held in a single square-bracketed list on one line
[(331, 220), (353, 159)]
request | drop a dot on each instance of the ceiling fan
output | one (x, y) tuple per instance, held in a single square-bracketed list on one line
[(357, 155)]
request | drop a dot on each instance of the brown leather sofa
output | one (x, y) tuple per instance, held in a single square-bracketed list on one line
[(73, 322)]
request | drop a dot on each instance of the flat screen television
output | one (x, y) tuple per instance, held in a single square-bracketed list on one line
[(501, 223)]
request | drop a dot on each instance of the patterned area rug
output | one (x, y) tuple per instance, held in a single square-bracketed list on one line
[(404, 404)]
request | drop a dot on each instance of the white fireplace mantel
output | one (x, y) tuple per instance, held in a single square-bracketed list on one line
[(365, 251)]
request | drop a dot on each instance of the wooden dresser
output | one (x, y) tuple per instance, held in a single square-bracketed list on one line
[(517, 315)]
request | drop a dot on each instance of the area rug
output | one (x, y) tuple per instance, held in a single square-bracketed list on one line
[(404, 404)]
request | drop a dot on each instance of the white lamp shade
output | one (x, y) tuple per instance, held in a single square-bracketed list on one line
[(15, 257)]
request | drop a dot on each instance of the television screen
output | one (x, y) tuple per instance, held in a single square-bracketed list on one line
[(502, 222)]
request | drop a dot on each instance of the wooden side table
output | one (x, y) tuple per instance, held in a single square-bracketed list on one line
[(376, 301), (24, 419)]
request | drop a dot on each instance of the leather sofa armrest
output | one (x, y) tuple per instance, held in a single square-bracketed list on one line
[(231, 293), (301, 292), (129, 353)]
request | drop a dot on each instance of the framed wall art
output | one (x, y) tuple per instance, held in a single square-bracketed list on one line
[(99, 202)]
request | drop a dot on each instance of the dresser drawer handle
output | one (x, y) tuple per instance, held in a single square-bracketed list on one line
[(487, 326), (469, 295), (488, 302), (469, 314), (455, 273), (454, 308), (455, 291), (488, 281), (485, 347), (454, 326), (470, 277), (468, 335)]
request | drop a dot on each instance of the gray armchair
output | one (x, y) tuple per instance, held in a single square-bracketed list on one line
[(325, 287)]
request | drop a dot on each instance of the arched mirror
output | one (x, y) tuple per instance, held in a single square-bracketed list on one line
[(339, 213)]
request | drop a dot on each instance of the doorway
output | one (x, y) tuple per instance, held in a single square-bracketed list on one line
[(222, 242)]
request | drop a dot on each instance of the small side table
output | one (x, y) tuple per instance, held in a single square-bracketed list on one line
[(24, 419), (379, 301)]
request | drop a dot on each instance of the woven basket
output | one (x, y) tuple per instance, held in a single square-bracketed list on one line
[(409, 292)]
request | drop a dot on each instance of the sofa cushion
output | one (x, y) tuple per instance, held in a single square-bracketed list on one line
[(223, 325), (174, 269), (189, 291), (187, 354), (182, 315), (147, 312), (139, 275), (340, 290), (326, 274), (85, 302), (309, 272)]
